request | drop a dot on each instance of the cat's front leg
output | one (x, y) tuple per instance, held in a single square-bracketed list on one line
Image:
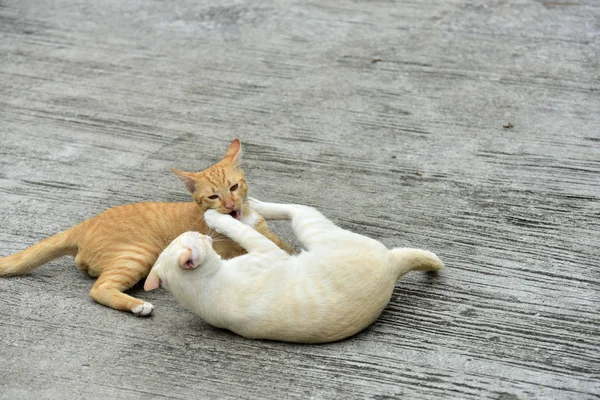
[(241, 233), (217, 221)]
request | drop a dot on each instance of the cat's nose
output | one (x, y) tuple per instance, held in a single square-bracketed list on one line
[(230, 206)]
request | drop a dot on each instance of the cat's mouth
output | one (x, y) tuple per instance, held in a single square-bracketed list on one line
[(236, 214)]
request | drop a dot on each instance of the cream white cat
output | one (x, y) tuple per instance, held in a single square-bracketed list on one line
[(333, 289)]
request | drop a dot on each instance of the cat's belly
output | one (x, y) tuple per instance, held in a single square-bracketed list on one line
[(319, 300)]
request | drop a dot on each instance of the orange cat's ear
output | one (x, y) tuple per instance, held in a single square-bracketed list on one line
[(234, 152), (187, 178), (152, 281)]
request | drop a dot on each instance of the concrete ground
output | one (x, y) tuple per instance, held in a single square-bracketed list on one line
[(470, 128)]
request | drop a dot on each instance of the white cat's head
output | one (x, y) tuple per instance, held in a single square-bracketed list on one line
[(186, 252)]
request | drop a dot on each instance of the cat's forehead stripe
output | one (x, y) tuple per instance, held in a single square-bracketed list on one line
[(216, 178), (219, 177)]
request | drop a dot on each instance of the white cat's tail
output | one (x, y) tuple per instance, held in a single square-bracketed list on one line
[(404, 260)]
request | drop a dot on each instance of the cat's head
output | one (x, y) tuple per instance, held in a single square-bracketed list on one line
[(188, 251), (222, 186)]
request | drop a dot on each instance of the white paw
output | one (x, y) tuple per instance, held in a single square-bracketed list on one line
[(143, 309), (255, 204), (211, 217)]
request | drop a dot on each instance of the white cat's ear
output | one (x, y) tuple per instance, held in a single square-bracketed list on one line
[(187, 178), (234, 152), (152, 281), (184, 257)]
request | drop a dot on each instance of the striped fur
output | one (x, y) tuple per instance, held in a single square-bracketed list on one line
[(120, 245)]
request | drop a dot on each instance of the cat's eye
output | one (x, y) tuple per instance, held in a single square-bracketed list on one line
[(213, 197), (234, 187)]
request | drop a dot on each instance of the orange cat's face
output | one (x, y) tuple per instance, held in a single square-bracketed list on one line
[(221, 187)]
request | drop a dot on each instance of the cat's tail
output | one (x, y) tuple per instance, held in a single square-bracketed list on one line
[(404, 260), (61, 244)]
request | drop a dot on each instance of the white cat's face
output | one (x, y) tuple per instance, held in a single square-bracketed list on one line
[(187, 252)]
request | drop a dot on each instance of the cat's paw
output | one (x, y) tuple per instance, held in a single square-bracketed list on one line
[(255, 204), (252, 200), (270, 211), (143, 310), (212, 217)]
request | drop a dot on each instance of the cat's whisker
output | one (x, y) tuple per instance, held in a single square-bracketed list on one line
[(212, 233), (216, 237)]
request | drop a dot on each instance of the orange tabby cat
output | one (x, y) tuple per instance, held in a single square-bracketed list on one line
[(120, 245)]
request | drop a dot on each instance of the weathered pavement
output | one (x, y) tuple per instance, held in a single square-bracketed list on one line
[(387, 116)]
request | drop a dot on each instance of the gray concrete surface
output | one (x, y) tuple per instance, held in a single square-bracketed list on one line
[(388, 116)]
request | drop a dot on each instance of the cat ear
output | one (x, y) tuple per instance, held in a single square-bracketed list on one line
[(152, 281), (187, 178), (234, 152), (184, 256)]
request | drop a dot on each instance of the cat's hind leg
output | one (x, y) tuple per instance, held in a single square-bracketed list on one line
[(112, 282), (244, 235), (310, 226)]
